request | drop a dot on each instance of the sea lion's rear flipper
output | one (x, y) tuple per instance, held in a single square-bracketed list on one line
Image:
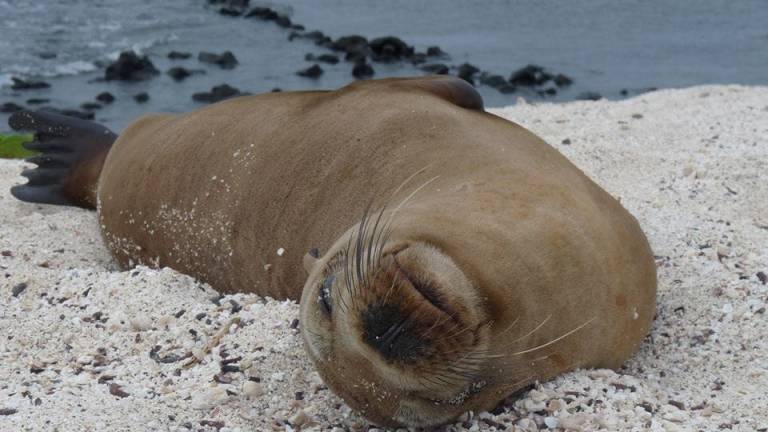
[(72, 152)]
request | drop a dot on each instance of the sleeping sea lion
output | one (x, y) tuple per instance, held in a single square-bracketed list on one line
[(483, 260)]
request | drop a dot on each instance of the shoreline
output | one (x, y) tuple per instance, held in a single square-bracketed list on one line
[(93, 347)]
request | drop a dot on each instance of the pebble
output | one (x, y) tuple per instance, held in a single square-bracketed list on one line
[(253, 389), (299, 419), (140, 323), (209, 398)]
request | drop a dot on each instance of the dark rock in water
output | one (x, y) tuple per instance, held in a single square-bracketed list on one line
[(264, 13), (298, 27), (38, 101), (231, 3), (324, 58), (70, 113), (217, 94), (225, 60), (435, 68), (313, 71), (179, 55), (498, 82), (230, 11), (355, 57), (47, 55), (141, 97), (90, 106), (562, 80), (529, 76), (180, 73), (362, 70), (389, 49), (10, 107), (105, 97), (495, 81), (20, 84), (550, 91), (467, 72), (283, 21), (435, 51), (507, 88), (418, 58), (276, 90), (624, 92), (130, 67), (350, 43), (314, 35), (590, 95)]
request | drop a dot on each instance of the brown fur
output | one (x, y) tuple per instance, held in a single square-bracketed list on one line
[(507, 266)]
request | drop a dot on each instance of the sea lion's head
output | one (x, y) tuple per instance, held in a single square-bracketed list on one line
[(395, 327)]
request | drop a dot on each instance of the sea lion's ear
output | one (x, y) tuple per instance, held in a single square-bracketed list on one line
[(310, 259)]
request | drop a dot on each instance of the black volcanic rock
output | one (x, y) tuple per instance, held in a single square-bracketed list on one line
[(350, 43), (283, 21), (324, 58), (141, 97), (180, 73), (362, 70), (467, 72), (130, 67), (589, 95), (225, 60), (264, 13), (495, 81), (105, 97), (179, 55), (435, 51), (90, 106), (313, 71), (230, 11), (38, 101), (435, 68), (20, 84), (217, 93), (562, 80), (10, 107), (389, 49), (529, 76)]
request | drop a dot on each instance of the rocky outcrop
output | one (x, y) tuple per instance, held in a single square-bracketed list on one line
[(130, 67)]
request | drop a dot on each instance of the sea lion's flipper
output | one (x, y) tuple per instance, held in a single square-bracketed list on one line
[(446, 87), (72, 152)]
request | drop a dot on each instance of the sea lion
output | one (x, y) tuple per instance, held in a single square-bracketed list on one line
[(483, 261)]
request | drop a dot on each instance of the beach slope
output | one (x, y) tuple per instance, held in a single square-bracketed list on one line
[(87, 347)]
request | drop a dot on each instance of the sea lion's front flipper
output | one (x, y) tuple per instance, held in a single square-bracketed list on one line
[(72, 152), (446, 87)]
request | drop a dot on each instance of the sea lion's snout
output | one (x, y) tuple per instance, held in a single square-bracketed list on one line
[(409, 329), (418, 308)]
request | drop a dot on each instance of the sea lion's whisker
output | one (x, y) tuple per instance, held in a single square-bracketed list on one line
[(537, 328), (544, 345)]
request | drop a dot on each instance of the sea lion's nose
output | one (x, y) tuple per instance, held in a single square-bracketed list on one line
[(392, 332)]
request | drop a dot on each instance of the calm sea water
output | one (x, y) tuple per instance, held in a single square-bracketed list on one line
[(605, 46)]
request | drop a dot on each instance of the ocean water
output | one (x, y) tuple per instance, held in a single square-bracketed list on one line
[(605, 46)]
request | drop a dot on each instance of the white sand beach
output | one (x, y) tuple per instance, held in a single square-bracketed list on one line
[(86, 347)]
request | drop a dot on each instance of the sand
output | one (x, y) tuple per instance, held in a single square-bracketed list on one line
[(85, 346)]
